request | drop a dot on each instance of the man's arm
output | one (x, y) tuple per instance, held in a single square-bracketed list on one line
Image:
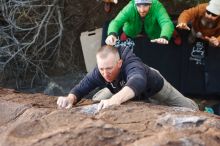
[(164, 21), (136, 84), (189, 15), (122, 96), (117, 23), (88, 83)]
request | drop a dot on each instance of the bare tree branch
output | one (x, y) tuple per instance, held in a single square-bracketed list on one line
[(30, 40)]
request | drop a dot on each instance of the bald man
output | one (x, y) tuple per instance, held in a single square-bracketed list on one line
[(126, 77)]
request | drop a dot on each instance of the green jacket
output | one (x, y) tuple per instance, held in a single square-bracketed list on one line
[(157, 22)]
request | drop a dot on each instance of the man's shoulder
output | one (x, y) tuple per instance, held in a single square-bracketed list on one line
[(156, 2), (156, 6), (95, 73), (202, 6), (130, 7)]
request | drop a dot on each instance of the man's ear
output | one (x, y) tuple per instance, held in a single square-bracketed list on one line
[(120, 63)]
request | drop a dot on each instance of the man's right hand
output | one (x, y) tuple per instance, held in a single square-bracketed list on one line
[(213, 41), (160, 41), (111, 40), (67, 101), (183, 26)]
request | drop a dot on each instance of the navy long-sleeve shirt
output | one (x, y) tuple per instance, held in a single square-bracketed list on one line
[(134, 73)]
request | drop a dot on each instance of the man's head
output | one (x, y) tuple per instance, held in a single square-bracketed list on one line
[(213, 10), (143, 6), (109, 62)]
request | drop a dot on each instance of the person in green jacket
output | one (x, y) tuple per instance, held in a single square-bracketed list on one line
[(142, 17)]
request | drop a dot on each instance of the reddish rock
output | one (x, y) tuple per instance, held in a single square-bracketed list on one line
[(34, 120)]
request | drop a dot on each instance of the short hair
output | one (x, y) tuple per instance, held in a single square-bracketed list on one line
[(105, 50)]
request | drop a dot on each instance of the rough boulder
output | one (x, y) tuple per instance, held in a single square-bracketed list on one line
[(34, 120)]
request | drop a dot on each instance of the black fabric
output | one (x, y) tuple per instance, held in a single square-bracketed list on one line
[(165, 58), (192, 69), (213, 71), (216, 108), (139, 77), (201, 68)]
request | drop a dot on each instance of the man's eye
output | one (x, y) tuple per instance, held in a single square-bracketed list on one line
[(109, 69)]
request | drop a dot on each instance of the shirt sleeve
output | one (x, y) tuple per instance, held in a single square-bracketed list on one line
[(164, 21), (117, 23), (192, 13), (87, 84), (136, 77)]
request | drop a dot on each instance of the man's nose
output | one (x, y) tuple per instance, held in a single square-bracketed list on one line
[(141, 8), (105, 72)]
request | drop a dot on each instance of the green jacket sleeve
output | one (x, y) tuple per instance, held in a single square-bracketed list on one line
[(123, 16), (165, 22)]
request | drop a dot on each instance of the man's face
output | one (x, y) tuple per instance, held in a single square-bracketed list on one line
[(210, 16), (109, 67), (143, 9)]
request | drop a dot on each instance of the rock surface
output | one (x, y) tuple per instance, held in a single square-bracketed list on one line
[(34, 120)]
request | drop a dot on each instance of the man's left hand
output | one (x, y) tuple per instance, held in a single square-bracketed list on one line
[(160, 41), (107, 103)]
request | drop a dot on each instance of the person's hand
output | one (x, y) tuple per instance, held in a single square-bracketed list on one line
[(183, 26), (213, 41), (111, 40), (66, 102), (160, 41), (107, 103)]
